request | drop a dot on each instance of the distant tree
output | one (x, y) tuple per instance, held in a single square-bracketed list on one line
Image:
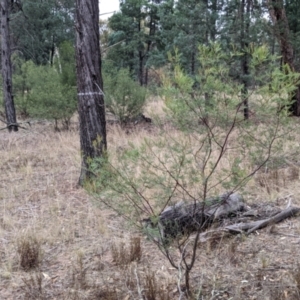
[(185, 25), (89, 85), (6, 68), (245, 6), (292, 8), (191, 29), (135, 34), (38, 27), (105, 31), (283, 35)]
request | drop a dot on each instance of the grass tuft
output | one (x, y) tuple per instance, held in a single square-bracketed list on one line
[(123, 255), (152, 289), (33, 287), (29, 250)]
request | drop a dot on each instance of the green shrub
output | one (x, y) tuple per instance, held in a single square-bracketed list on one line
[(49, 98), (124, 97), (47, 92), (22, 85), (210, 149)]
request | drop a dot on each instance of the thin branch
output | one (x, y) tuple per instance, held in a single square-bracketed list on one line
[(14, 124), (111, 46)]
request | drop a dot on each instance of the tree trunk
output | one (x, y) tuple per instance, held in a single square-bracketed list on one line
[(152, 30), (7, 70), (245, 24), (213, 20), (141, 68), (282, 33), (193, 62), (89, 85), (141, 55)]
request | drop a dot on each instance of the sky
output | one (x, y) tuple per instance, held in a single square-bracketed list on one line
[(108, 6)]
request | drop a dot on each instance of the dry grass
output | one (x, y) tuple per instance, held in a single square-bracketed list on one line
[(123, 255), (29, 250), (56, 244)]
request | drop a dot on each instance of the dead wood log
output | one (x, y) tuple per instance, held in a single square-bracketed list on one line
[(249, 227), (182, 219)]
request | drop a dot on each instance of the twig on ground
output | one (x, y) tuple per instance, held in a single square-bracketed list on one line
[(138, 284)]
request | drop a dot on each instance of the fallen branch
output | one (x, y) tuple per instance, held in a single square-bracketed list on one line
[(255, 225), (14, 124)]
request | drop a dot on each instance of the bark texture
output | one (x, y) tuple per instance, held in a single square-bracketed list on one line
[(89, 85), (282, 33), (227, 210), (184, 219), (245, 25), (255, 225), (6, 69)]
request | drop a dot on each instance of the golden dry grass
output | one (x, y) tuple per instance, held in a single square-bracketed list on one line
[(40, 200), (77, 239)]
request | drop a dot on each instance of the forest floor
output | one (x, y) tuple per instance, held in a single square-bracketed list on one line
[(81, 246)]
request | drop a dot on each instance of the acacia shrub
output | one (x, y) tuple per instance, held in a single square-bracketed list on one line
[(210, 149), (124, 97), (44, 91)]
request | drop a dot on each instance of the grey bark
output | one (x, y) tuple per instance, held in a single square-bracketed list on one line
[(245, 25), (248, 227), (255, 225), (89, 85), (7, 69), (183, 218)]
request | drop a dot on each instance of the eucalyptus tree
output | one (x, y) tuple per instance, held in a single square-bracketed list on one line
[(283, 35), (135, 35), (89, 85), (7, 68)]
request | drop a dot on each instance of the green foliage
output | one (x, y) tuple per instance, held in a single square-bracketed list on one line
[(213, 149), (40, 92), (143, 32), (292, 8), (209, 150), (40, 26), (124, 97), (190, 24), (22, 85), (49, 98), (65, 63), (134, 36)]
